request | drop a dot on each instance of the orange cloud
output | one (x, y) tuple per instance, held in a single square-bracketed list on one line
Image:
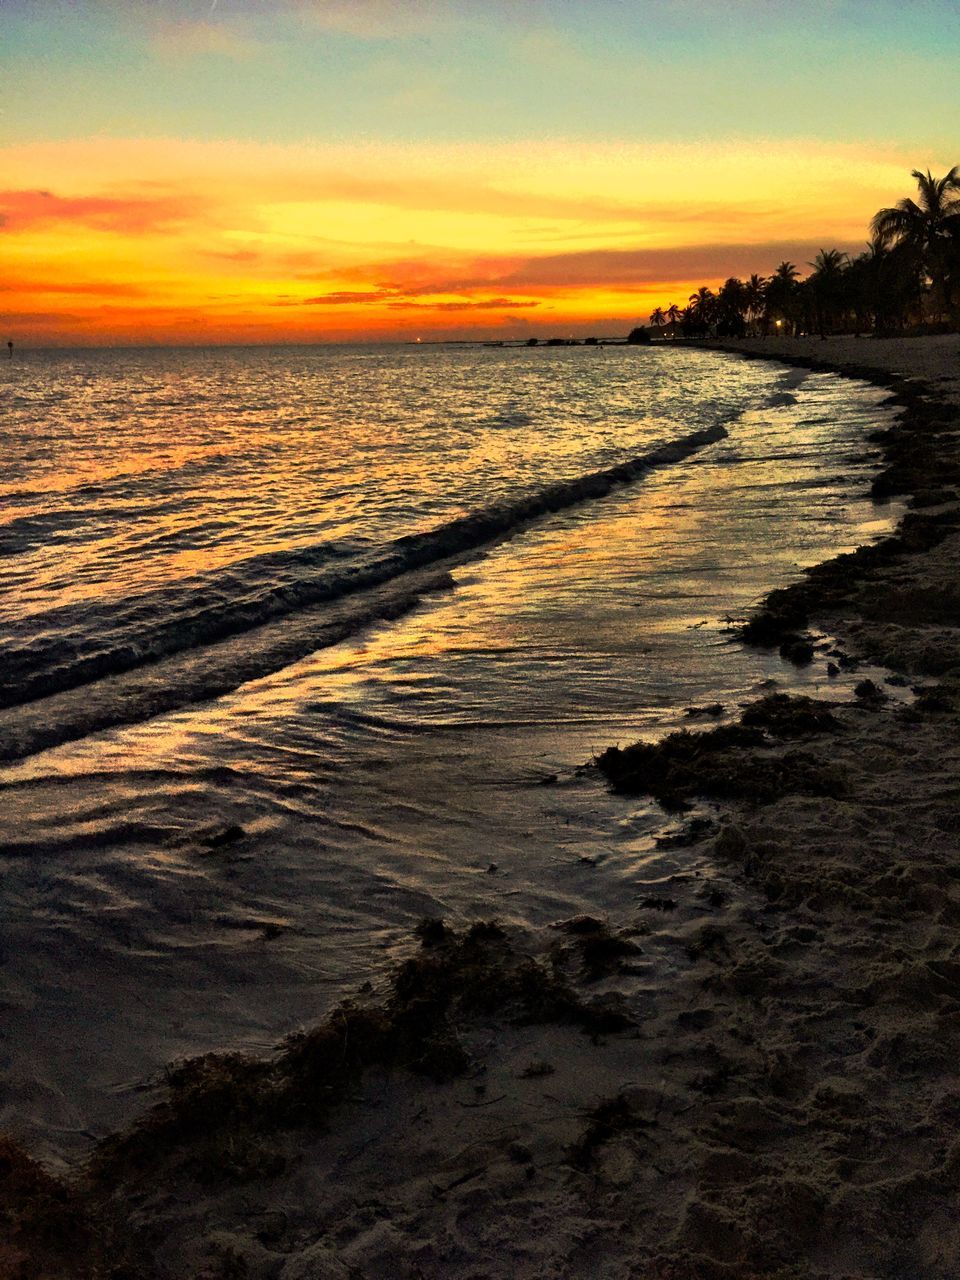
[(95, 288), (128, 215)]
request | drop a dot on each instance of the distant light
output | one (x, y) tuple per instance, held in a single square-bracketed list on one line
[(778, 324), (420, 339)]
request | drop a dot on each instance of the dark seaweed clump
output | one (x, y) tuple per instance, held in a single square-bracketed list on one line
[(733, 761), (601, 950), (609, 1119), (222, 1108), (47, 1228), (224, 1114), (786, 611), (785, 716)]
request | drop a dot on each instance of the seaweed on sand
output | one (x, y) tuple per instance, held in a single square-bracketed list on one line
[(50, 1230), (786, 611), (729, 762), (786, 716), (609, 1119), (601, 950), (223, 1110)]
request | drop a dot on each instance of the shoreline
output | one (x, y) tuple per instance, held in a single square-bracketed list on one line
[(784, 1107)]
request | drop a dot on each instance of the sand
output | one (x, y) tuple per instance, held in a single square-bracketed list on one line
[(782, 1100)]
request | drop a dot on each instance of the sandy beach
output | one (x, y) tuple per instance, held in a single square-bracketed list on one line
[(785, 1103)]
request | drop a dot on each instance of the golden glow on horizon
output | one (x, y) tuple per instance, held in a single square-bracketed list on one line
[(166, 241)]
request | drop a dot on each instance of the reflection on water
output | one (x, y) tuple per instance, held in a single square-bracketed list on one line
[(222, 874)]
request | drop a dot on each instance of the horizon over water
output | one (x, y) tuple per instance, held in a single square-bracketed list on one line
[(320, 641)]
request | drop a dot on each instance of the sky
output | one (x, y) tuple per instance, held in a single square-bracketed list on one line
[(220, 171)]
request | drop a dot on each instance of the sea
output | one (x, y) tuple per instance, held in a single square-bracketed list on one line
[(302, 645)]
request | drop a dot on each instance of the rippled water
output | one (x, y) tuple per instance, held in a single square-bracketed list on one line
[(421, 613)]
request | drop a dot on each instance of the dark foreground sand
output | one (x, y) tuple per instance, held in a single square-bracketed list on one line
[(787, 1105)]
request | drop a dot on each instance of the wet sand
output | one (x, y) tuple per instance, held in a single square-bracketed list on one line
[(787, 1105)]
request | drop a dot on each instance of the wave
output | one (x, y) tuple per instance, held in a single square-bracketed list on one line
[(70, 648)]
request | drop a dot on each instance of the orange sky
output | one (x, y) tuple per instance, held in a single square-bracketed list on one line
[(326, 170), (165, 240)]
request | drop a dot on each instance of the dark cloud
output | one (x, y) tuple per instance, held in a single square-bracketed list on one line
[(638, 267), (479, 304)]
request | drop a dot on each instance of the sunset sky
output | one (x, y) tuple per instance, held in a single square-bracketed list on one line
[(329, 170)]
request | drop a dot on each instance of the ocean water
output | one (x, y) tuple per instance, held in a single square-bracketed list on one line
[(300, 645)]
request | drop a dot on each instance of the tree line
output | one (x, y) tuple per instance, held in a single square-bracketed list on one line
[(907, 279)]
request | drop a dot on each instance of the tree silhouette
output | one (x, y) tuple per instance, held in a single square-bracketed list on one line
[(700, 312), (826, 287), (883, 286), (781, 295), (731, 308), (930, 226), (755, 296), (915, 250)]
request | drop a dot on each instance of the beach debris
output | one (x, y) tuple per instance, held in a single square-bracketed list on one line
[(658, 904), (712, 709), (797, 649), (432, 931), (43, 1224), (601, 950), (932, 698), (218, 835), (713, 895), (787, 716), (223, 1112), (609, 1119), (869, 693), (581, 925), (725, 762)]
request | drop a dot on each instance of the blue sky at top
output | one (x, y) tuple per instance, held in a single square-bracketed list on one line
[(356, 69)]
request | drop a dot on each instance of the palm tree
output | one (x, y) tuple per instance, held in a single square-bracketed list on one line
[(882, 287), (755, 297), (700, 312), (674, 316), (826, 285), (657, 318), (780, 294), (930, 226), (731, 305)]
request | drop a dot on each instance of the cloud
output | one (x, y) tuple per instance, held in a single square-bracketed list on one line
[(94, 288), (636, 267), (426, 281), (126, 214), (427, 298), (479, 304)]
